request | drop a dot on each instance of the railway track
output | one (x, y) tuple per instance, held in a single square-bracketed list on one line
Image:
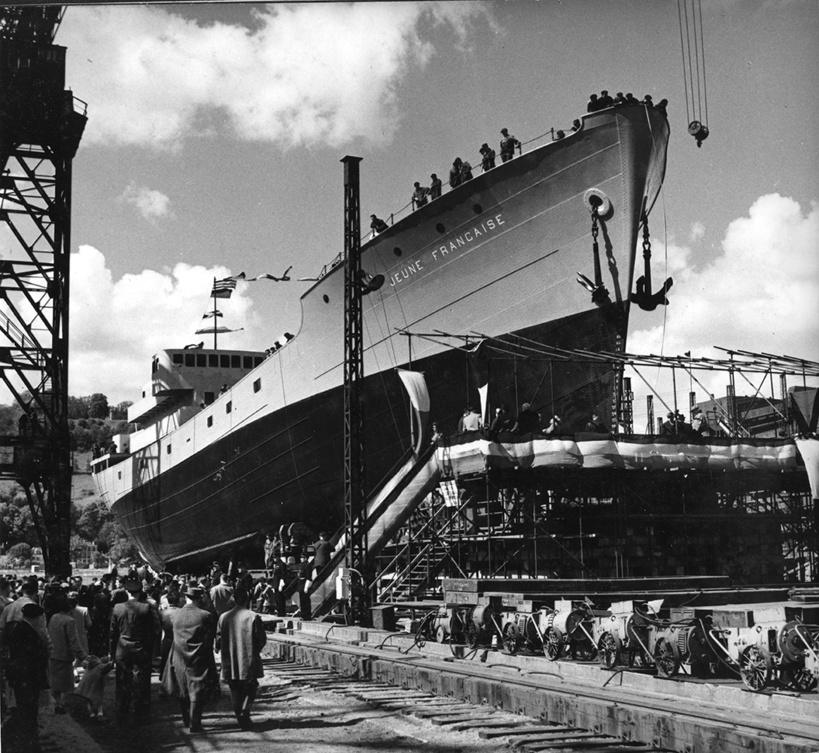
[(599, 709), (499, 729)]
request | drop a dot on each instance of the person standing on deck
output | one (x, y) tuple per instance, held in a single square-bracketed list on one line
[(434, 187), (487, 157), (508, 144)]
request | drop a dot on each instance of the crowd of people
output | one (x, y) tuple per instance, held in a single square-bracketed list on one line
[(460, 172), (67, 636), (675, 425), (528, 421), (604, 100)]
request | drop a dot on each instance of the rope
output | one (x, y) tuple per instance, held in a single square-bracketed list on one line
[(682, 49), (695, 81), (704, 83), (697, 61)]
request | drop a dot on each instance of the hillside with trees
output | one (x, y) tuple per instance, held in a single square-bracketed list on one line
[(96, 536)]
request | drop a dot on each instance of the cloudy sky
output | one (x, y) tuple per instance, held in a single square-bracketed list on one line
[(215, 133)]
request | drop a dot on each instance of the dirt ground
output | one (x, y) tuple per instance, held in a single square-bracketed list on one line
[(287, 716)]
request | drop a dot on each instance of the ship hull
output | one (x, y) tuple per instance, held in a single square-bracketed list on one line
[(494, 261)]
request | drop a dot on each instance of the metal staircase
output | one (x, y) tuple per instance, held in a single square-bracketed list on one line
[(388, 509), (422, 551)]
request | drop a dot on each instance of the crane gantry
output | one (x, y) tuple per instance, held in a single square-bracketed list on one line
[(41, 124)]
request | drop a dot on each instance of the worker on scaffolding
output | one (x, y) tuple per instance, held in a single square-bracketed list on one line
[(470, 421), (699, 423), (528, 420)]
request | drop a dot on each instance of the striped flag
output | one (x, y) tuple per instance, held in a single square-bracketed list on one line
[(223, 288)]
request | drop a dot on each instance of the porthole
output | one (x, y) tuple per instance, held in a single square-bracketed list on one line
[(397, 251), (440, 227), (326, 298), (477, 208)]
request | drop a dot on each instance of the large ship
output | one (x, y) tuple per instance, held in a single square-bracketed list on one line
[(539, 249)]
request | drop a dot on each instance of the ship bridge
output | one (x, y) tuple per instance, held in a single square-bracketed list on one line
[(189, 378)]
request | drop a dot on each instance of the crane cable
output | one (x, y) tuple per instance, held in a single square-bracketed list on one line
[(689, 16)]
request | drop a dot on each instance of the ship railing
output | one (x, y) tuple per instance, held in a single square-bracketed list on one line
[(409, 207)]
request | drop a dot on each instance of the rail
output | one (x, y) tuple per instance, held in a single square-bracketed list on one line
[(409, 207), (381, 502)]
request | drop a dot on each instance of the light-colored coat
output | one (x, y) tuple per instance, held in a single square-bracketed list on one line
[(65, 643), (65, 648), (240, 636)]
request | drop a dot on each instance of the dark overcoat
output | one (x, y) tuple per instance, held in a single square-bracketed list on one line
[(191, 669)]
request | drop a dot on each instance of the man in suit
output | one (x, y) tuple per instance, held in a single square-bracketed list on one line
[(240, 637), (221, 595), (135, 631), (193, 665)]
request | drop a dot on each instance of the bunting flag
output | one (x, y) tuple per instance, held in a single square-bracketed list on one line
[(215, 329), (416, 386), (223, 288), (284, 277)]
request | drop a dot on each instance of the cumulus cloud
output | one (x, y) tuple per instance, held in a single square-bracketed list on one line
[(150, 203), (304, 74), (759, 294), (697, 232), (118, 324)]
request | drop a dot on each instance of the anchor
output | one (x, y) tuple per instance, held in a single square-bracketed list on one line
[(644, 298), (599, 294)]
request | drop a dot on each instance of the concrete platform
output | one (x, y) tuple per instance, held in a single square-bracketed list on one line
[(678, 715)]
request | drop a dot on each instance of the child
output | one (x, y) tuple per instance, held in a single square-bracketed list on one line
[(92, 684)]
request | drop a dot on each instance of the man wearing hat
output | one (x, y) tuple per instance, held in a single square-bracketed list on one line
[(135, 630), (240, 639), (14, 612), (191, 675), (27, 664), (669, 427), (698, 423)]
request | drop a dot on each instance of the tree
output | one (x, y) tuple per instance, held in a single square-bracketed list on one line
[(106, 536), (21, 551), (77, 407), (119, 412), (98, 406), (16, 523), (93, 516)]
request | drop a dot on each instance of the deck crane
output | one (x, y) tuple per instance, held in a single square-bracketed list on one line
[(41, 124)]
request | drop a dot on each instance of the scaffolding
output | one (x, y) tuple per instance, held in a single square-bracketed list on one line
[(756, 527)]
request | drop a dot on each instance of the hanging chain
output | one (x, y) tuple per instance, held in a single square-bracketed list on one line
[(594, 230), (646, 239)]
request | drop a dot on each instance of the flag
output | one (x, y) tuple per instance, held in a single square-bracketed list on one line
[(211, 314), (223, 288), (217, 330)]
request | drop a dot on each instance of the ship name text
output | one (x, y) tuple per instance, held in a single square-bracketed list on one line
[(475, 233)]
